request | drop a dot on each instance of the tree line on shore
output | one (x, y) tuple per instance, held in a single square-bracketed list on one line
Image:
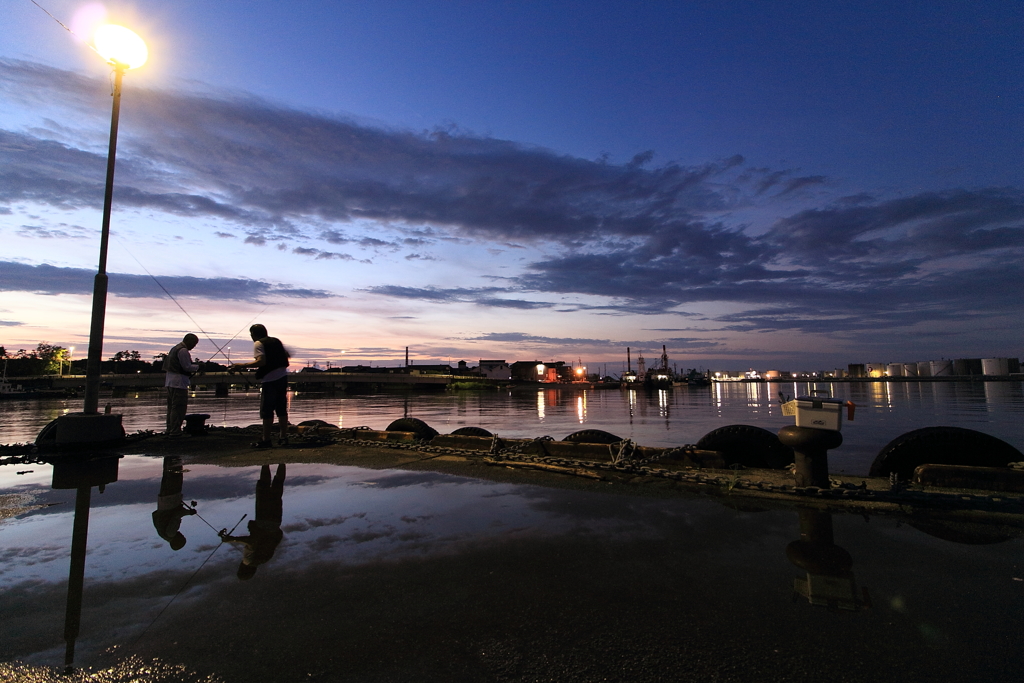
[(50, 359)]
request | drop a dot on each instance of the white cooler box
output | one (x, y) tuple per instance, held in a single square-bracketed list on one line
[(819, 413)]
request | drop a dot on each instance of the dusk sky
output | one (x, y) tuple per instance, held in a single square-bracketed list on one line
[(790, 185)]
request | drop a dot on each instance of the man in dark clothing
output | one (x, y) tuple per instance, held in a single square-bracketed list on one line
[(179, 368), (265, 531), (272, 371)]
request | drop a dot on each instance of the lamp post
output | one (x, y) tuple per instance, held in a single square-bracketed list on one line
[(123, 50)]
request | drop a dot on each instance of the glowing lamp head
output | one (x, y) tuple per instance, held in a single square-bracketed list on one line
[(119, 45)]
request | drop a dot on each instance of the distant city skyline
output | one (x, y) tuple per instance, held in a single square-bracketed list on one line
[(751, 185)]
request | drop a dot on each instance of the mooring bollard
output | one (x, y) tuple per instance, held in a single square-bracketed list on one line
[(810, 452), (195, 423)]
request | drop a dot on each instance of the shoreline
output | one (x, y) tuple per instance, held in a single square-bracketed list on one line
[(582, 467)]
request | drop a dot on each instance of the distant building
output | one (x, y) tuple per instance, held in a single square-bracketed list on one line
[(875, 369), (539, 371), (967, 366), (363, 368), (439, 369), (1000, 366), (495, 369)]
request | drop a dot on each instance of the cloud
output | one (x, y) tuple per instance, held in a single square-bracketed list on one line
[(266, 167), (9, 323), (929, 257), (478, 295), (635, 238), (591, 345), (61, 231), (46, 279)]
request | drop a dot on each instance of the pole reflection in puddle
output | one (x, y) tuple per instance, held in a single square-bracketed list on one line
[(80, 472)]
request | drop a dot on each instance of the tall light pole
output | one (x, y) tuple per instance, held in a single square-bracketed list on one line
[(123, 50)]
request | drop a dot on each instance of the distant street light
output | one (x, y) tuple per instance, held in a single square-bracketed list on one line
[(123, 50)]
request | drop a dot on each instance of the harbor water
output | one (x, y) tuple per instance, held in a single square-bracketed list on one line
[(401, 575), (667, 417), (342, 573)]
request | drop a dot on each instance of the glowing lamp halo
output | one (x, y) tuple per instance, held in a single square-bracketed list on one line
[(119, 45)]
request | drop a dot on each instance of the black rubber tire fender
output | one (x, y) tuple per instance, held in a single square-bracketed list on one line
[(471, 431), (592, 436), (48, 434), (423, 431), (967, 533), (942, 446), (748, 446), (315, 423)]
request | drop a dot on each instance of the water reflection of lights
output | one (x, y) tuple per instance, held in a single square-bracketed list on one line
[(719, 395), (581, 408), (753, 394), (540, 405), (663, 402)]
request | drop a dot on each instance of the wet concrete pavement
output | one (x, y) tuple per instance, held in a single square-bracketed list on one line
[(417, 575)]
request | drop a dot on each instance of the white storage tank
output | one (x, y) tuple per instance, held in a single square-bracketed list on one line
[(894, 370), (941, 368), (875, 369), (910, 369), (995, 366), (924, 368)]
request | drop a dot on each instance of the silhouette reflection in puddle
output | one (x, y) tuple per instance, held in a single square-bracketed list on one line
[(170, 507), (265, 530)]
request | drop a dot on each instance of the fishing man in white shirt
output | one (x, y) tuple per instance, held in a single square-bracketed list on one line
[(179, 368)]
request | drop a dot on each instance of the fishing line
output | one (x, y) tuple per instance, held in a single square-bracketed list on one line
[(176, 303), (196, 512), (185, 585), (91, 47), (245, 326), (171, 296)]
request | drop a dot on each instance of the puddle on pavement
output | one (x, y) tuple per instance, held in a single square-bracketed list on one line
[(341, 573)]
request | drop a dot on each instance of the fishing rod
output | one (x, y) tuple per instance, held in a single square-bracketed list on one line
[(178, 304), (189, 580), (240, 331), (224, 532), (193, 510)]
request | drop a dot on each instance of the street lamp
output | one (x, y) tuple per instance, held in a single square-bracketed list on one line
[(123, 50)]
